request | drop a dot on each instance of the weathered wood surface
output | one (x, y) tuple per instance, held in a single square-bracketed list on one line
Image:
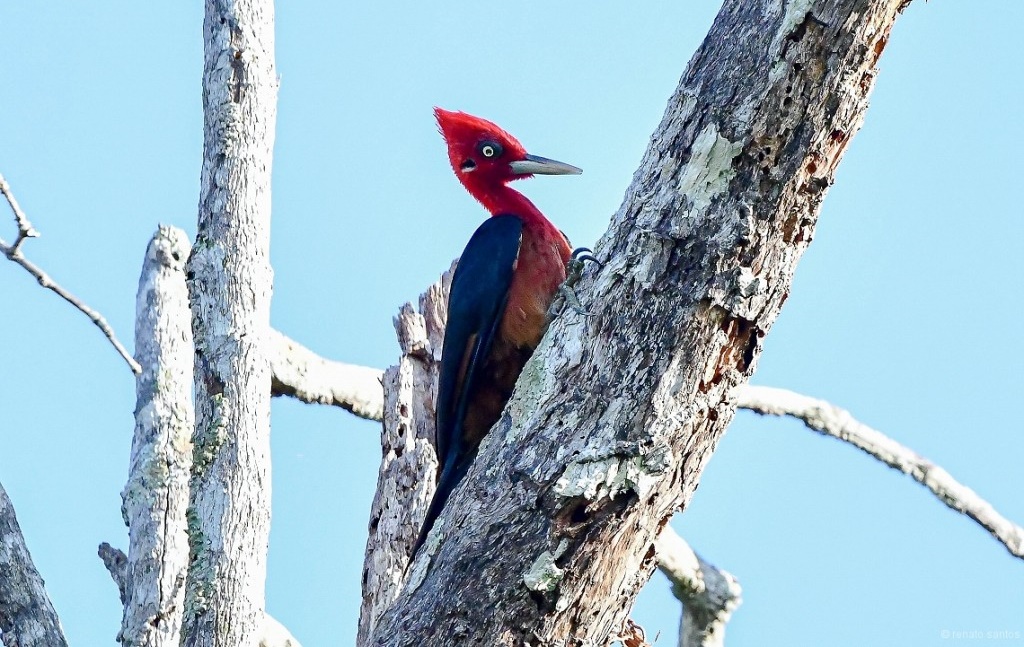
[(408, 468), (156, 495), (829, 420), (709, 595), (229, 280), (551, 535), (302, 374)]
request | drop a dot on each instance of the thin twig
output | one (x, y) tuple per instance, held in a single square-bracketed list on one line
[(13, 253), (25, 228), (830, 420)]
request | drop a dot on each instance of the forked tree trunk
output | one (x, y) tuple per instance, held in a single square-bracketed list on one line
[(551, 535)]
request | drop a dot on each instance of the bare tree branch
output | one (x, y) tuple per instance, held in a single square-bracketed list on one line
[(152, 577), (275, 634), (297, 371), (709, 595), (406, 482), (302, 374), (116, 563), (13, 253), (25, 228), (27, 617), (44, 280), (408, 467), (329, 382), (830, 420)]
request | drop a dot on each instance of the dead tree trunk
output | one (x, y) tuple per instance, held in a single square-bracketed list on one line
[(405, 483), (229, 281), (551, 535), (156, 496)]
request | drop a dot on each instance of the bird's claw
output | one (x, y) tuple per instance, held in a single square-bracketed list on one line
[(583, 254), (574, 271), (577, 261)]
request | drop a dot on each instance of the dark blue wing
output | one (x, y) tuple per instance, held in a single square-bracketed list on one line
[(476, 304)]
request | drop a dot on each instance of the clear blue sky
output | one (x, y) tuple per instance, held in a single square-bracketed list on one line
[(906, 309)]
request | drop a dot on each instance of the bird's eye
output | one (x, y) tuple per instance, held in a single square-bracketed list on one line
[(490, 150)]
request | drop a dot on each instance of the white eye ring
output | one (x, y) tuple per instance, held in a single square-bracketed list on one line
[(488, 151)]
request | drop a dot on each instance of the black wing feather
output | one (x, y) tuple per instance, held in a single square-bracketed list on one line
[(476, 304)]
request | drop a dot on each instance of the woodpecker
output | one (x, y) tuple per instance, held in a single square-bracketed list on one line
[(500, 295)]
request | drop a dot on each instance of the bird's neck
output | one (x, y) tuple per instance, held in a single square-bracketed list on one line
[(503, 199), (506, 200)]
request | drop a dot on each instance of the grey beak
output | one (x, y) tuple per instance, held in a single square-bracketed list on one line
[(542, 166)]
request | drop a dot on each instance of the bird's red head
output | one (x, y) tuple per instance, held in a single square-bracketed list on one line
[(485, 157)]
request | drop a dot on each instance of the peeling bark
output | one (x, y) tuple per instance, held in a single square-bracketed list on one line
[(616, 415), (407, 479), (229, 279), (27, 617), (408, 468), (325, 381), (156, 495)]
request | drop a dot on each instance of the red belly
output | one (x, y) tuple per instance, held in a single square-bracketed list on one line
[(540, 269)]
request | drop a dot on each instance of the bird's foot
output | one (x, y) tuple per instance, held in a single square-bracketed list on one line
[(566, 295)]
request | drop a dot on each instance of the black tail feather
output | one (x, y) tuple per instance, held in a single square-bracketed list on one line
[(450, 477)]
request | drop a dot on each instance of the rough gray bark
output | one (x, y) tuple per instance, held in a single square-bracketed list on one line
[(312, 378), (408, 467), (27, 617), (274, 634), (615, 416), (156, 495), (116, 563), (709, 595), (229, 285)]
